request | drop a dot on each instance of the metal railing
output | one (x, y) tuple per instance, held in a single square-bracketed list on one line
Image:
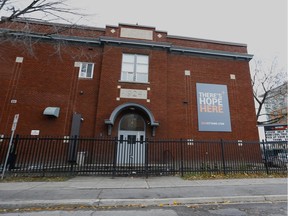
[(110, 156)]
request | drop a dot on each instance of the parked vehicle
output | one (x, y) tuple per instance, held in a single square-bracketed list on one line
[(276, 158)]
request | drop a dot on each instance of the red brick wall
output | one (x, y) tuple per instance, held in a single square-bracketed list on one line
[(213, 71), (110, 76), (47, 78)]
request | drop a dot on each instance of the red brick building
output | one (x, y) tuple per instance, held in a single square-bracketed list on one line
[(125, 80)]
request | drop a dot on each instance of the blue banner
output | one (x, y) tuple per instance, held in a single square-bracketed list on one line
[(213, 107)]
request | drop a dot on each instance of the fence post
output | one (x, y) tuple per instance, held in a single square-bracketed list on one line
[(13, 153), (8, 153), (115, 157), (223, 157), (265, 158), (73, 156), (181, 153), (146, 158)]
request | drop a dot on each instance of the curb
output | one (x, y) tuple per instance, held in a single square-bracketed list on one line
[(141, 202), (194, 200)]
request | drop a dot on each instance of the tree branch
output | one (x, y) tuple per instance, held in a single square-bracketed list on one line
[(55, 8), (3, 3), (263, 82)]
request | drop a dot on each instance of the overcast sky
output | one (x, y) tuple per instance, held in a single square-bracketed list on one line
[(261, 24)]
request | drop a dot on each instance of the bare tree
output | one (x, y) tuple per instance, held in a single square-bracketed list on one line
[(269, 91), (18, 23), (49, 9)]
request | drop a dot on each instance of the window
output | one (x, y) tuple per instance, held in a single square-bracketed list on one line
[(132, 122), (86, 70), (134, 68)]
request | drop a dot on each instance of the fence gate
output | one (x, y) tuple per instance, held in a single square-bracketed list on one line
[(131, 148)]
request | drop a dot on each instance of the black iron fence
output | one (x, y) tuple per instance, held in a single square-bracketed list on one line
[(111, 156)]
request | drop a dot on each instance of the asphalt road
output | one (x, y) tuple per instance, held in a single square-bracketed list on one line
[(107, 192)]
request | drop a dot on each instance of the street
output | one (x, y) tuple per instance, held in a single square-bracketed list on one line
[(228, 209), (169, 196)]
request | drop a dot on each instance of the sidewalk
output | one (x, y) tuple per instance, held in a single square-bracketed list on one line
[(105, 191)]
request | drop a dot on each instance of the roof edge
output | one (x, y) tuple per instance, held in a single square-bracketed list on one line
[(210, 52), (41, 22), (207, 40)]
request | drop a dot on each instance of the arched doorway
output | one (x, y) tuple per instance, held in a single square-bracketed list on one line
[(131, 106), (131, 136)]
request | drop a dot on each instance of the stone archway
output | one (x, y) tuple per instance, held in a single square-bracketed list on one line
[(126, 106)]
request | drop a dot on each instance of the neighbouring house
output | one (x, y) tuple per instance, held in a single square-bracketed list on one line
[(275, 127), (276, 105)]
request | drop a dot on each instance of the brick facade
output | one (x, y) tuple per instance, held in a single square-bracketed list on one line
[(48, 77)]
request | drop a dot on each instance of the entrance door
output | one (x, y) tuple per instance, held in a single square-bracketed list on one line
[(131, 145)]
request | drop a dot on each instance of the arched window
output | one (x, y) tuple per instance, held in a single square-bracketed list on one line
[(132, 122)]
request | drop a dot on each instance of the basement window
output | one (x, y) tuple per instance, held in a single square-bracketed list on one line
[(86, 70)]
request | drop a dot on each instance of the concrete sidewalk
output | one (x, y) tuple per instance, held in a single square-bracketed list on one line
[(105, 191)]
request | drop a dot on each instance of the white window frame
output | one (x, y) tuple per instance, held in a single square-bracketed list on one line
[(136, 70), (83, 71)]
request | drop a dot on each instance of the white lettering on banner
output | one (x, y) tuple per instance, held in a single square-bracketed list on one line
[(210, 102), (133, 93), (213, 107)]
